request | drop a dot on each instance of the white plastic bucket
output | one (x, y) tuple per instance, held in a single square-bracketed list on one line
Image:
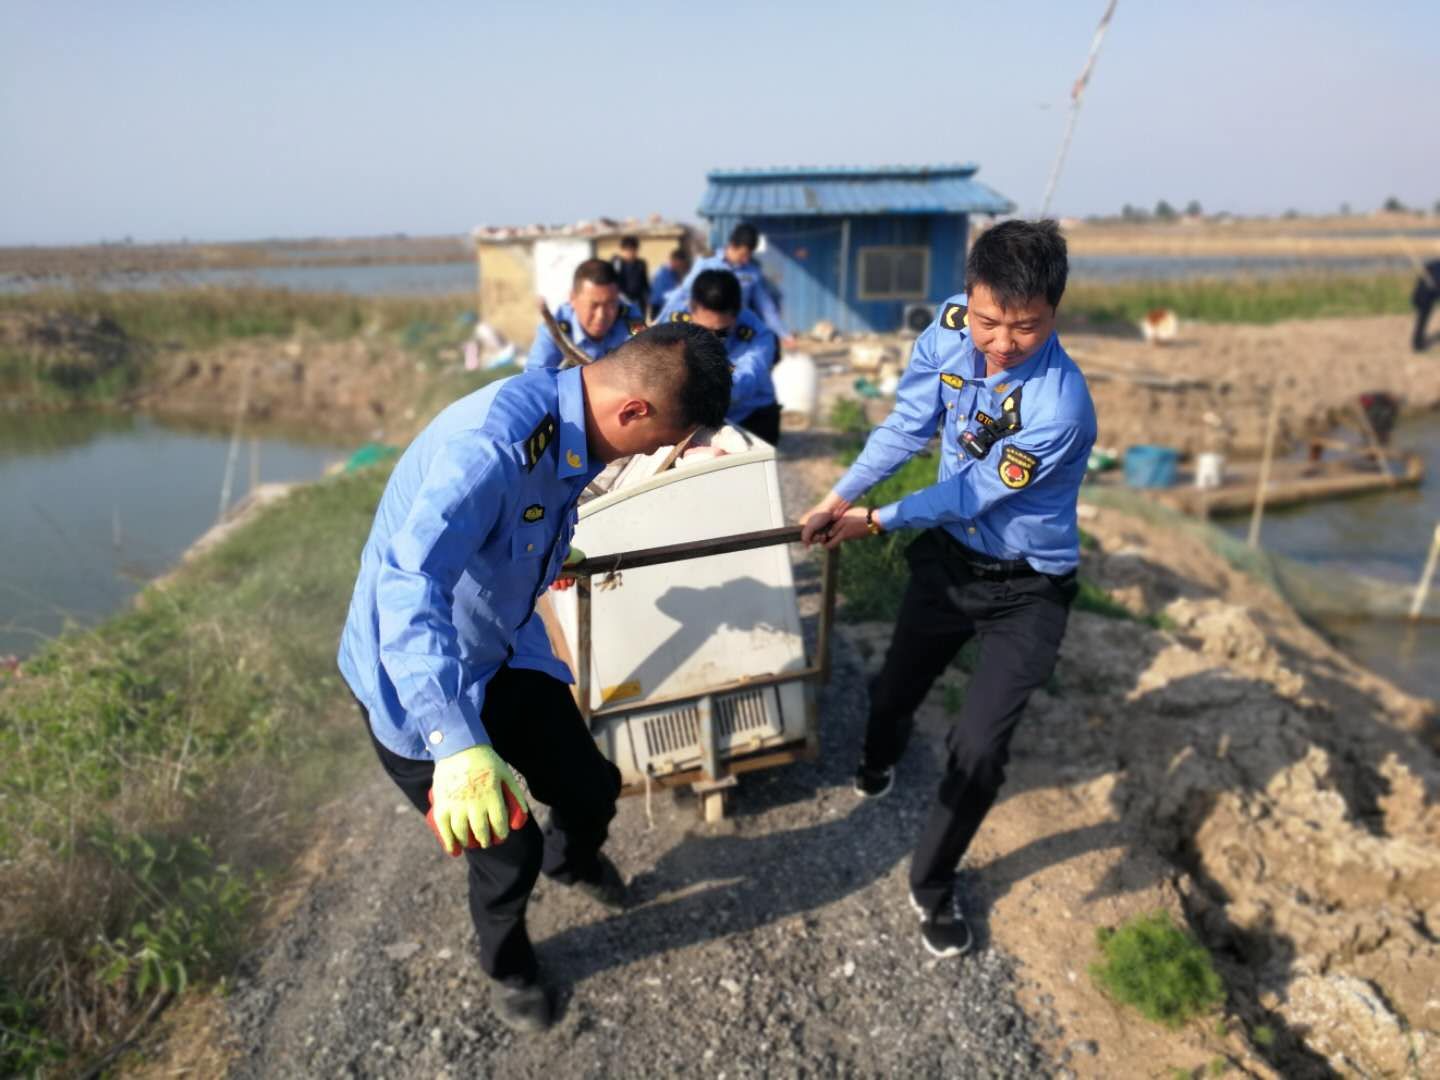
[(797, 385), (1209, 470)]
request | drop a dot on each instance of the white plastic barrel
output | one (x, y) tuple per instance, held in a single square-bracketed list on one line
[(797, 386), (1209, 470)]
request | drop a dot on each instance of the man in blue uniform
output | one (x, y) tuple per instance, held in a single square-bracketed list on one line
[(998, 555), (452, 668), (667, 279), (715, 306), (739, 259), (594, 318)]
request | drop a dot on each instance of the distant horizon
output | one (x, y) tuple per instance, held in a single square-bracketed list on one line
[(401, 234), (164, 122)]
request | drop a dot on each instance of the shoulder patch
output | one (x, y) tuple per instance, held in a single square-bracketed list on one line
[(955, 382), (955, 317), (745, 333), (636, 326), (679, 316), (533, 513), (1017, 468), (538, 440)]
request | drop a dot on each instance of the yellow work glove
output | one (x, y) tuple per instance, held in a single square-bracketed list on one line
[(471, 790), (575, 556)]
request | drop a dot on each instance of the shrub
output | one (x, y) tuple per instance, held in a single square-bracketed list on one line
[(1158, 968)]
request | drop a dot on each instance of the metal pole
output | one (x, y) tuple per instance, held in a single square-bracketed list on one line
[(845, 275), (829, 580), (1077, 93), (582, 646), (690, 549), (1259, 512), (1422, 590), (233, 455)]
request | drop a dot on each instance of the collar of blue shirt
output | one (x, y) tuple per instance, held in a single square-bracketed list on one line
[(1002, 381), (574, 451)]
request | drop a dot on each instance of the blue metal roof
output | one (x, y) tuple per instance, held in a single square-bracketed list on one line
[(842, 191)]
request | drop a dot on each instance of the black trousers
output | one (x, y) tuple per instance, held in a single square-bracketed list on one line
[(764, 422), (535, 727), (1423, 302), (1018, 617)]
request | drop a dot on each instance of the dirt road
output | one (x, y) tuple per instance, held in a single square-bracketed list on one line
[(777, 942)]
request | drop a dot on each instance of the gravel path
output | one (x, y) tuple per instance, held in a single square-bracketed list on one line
[(778, 942)]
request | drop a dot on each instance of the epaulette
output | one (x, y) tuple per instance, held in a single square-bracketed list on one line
[(955, 317), (538, 440)]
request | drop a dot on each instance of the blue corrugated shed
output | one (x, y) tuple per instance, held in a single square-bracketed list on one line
[(819, 226), (898, 189)]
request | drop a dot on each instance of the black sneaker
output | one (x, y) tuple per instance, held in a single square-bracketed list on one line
[(873, 783), (521, 1004), (607, 888), (945, 932)]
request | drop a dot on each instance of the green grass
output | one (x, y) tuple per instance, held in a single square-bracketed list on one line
[(1156, 967), (204, 316), (153, 766), (108, 340), (1242, 300)]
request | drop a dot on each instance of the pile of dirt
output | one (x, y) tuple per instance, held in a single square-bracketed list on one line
[(357, 386), (1239, 771), (1211, 389)]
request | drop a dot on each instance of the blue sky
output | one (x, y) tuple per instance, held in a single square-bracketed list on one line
[(162, 120)]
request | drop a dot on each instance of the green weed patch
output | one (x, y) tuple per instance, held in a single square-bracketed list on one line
[(1158, 968)]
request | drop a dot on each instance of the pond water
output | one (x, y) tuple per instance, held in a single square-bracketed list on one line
[(397, 279), (1383, 538), (94, 505), (439, 279)]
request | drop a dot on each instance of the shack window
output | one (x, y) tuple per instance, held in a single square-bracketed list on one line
[(894, 273)]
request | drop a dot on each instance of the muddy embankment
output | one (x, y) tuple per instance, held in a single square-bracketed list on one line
[(367, 386), (1239, 771)]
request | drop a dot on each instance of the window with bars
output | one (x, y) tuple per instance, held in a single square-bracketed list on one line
[(894, 273)]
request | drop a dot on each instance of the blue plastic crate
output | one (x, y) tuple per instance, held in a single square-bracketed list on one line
[(1151, 466)]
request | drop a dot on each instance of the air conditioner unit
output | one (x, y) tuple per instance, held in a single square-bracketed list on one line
[(917, 317)]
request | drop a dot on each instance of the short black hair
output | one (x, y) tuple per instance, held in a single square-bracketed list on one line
[(685, 364), (1018, 261), (745, 236), (716, 290), (629, 242), (595, 271)]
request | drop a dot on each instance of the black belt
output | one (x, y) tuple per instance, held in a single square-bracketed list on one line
[(987, 567)]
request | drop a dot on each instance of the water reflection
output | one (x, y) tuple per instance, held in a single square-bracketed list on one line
[(96, 504)]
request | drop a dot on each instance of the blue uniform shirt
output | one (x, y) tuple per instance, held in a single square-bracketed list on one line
[(1018, 502), (473, 526), (544, 353), (751, 348), (754, 294)]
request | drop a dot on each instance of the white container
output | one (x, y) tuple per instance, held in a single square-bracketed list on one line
[(1209, 470), (687, 627), (797, 386)]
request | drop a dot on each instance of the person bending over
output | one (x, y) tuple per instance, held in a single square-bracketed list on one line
[(444, 652)]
